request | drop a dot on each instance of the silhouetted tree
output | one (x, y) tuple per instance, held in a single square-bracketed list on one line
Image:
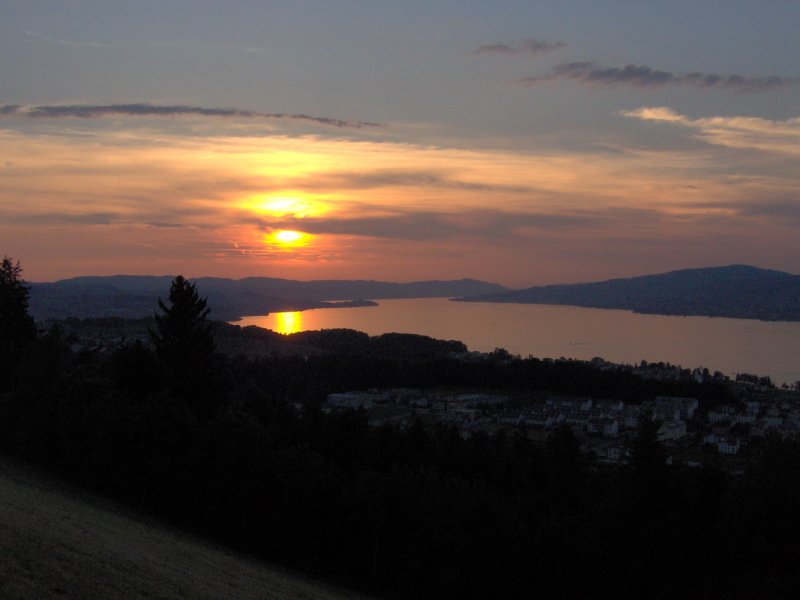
[(16, 326), (135, 370), (565, 469), (648, 456), (184, 344), (17, 329), (182, 337)]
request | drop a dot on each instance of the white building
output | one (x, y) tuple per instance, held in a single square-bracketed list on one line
[(630, 416), (351, 400), (686, 407), (605, 426), (720, 414), (671, 431), (729, 445)]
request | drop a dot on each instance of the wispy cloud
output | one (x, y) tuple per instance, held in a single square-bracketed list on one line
[(734, 132), (43, 37), (641, 76), (528, 47), (123, 215), (783, 209), (786, 210), (397, 178), (145, 109), (61, 218)]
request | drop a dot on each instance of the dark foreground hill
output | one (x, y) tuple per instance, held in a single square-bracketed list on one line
[(57, 541), (737, 291), (133, 296)]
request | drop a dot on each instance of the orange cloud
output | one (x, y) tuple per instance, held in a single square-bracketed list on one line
[(734, 132), (142, 200)]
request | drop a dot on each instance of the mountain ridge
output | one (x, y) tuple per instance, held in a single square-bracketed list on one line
[(735, 291), (134, 296)]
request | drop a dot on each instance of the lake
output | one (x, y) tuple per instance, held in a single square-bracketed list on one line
[(728, 345)]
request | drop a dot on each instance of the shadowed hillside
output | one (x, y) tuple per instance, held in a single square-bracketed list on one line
[(60, 542)]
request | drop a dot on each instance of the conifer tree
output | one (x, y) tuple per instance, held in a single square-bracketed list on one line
[(17, 328), (183, 342), (182, 335)]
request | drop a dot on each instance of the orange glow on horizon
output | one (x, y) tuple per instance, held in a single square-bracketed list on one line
[(247, 206)]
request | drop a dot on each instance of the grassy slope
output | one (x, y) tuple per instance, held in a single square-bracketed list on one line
[(60, 542)]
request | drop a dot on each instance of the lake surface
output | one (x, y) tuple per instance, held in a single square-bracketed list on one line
[(728, 345)]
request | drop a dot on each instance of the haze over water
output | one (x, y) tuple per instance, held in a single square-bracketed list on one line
[(728, 345)]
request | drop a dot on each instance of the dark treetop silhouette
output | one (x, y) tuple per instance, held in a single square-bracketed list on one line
[(183, 343), (16, 326)]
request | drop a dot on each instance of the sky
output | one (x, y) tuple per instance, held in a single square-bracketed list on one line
[(524, 143)]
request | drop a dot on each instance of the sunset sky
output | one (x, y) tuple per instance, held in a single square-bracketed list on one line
[(523, 143)]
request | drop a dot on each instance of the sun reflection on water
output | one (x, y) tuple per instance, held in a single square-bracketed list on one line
[(288, 322)]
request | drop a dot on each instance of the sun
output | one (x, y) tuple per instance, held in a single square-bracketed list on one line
[(288, 238)]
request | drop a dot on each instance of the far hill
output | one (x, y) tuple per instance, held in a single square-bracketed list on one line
[(736, 291), (134, 296)]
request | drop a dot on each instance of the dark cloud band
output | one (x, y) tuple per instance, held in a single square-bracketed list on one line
[(642, 76), (144, 109), (427, 225), (405, 178), (529, 47)]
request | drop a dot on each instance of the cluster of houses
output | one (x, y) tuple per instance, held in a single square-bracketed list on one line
[(606, 418), (605, 426), (783, 415), (398, 406), (731, 426), (610, 420)]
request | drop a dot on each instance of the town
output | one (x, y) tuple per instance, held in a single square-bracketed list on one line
[(606, 428)]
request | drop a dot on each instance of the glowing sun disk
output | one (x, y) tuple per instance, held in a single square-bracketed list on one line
[(288, 237)]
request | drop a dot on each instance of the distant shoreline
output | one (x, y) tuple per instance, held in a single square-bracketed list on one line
[(636, 311), (325, 304)]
